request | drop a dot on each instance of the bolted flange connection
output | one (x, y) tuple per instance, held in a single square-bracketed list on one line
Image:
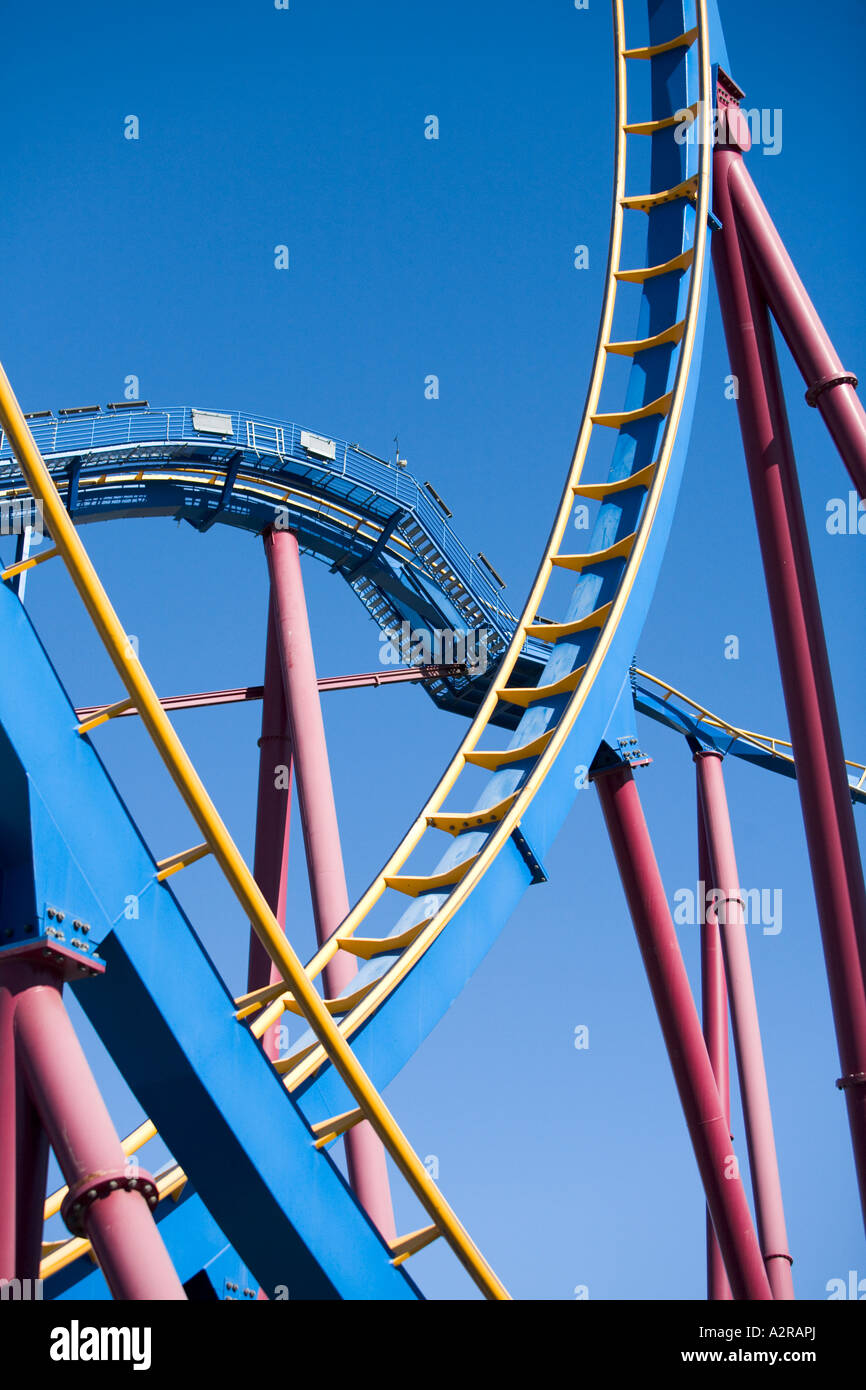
[(81, 1197)]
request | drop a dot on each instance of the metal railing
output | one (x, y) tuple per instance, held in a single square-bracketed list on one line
[(62, 436)]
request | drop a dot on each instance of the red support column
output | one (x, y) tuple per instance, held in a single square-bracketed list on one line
[(104, 1203), (23, 1149), (766, 1187), (831, 389), (365, 1155), (821, 778), (714, 1013), (273, 818), (699, 1094)]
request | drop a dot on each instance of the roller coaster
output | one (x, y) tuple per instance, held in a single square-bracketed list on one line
[(84, 902)]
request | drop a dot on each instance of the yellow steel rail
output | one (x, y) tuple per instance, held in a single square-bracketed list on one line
[(332, 1038), (255, 906), (312, 1060), (766, 743)]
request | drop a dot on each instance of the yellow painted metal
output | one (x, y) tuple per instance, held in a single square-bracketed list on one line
[(236, 871), (326, 1131), (21, 565), (645, 202), (63, 1255), (664, 123), (551, 632), (630, 349), (620, 550), (405, 1246), (367, 947), (680, 41), (660, 406), (176, 862), (287, 1064), (109, 712), (494, 758), (649, 272), (416, 885), (598, 491), (527, 695), (455, 822), (544, 750), (340, 1005), (270, 1015), (694, 258), (777, 747), (247, 1004)]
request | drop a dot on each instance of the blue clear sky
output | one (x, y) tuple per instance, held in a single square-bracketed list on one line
[(408, 257)]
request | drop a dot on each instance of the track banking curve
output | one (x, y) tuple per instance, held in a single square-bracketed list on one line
[(362, 519)]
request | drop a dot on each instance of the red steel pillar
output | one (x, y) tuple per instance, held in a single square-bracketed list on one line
[(273, 817), (365, 1155), (23, 1149), (831, 389), (714, 1013), (766, 1187), (803, 662), (699, 1094), (107, 1202)]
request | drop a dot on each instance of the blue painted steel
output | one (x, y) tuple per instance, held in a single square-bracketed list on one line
[(113, 464), (390, 1036), (681, 718), (184, 1074), (168, 1019), (192, 1237)]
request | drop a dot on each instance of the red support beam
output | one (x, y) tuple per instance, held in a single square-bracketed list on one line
[(822, 783), (365, 1155), (243, 693), (714, 1015), (23, 1146), (704, 1111), (105, 1204), (766, 1186), (831, 389), (273, 818)]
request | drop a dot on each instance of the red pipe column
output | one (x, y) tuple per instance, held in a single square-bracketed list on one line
[(273, 818), (118, 1222), (365, 1155), (803, 662), (766, 1187), (830, 387), (699, 1094), (714, 1013), (23, 1147)]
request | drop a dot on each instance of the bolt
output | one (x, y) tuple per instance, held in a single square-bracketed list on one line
[(51, 912), (60, 915), (85, 927)]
